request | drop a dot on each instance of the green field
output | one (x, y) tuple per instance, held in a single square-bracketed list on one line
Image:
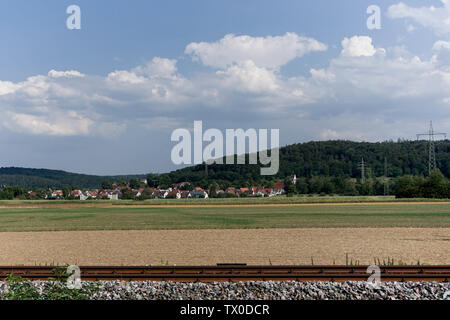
[(223, 217), (225, 201)]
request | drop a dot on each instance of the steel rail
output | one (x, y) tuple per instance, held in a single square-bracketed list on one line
[(234, 273)]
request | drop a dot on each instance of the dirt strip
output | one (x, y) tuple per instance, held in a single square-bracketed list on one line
[(254, 246)]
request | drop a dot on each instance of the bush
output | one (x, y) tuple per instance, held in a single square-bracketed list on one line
[(20, 289), (434, 186), (54, 289)]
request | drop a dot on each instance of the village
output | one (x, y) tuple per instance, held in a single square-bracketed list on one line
[(181, 190)]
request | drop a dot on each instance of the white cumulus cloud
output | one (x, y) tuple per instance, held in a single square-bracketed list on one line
[(268, 52), (363, 81), (68, 124), (65, 74), (436, 18), (248, 77), (358, 46)]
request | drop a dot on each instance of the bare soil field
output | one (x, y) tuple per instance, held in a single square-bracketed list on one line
[(207, 247)]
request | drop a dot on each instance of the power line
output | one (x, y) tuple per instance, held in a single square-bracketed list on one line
[(431, 146)]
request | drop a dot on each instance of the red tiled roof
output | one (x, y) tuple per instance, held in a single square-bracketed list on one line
[(279, 185)]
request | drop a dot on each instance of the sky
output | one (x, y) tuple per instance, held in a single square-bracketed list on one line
[(104, 99)]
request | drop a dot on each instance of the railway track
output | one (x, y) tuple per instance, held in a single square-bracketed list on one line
[(236, 273)]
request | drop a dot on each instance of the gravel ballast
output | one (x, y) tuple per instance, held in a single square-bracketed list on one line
[(263, 290)]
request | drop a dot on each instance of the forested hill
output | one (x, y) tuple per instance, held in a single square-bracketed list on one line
[(324, 158), (45, 178)]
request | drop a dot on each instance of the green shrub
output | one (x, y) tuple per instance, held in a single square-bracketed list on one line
[(54, 289)]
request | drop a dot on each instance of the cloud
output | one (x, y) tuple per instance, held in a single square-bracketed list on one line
[(435, 18), (125, 76), (363, 81), (269, 52), (441, 57), (441, 45), (65, 74), (247, 77), (157, 68), (7, 87), (358, 46), (68, 124)]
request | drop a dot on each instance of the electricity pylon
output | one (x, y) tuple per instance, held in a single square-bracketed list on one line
[(431, 148), (386, 180), (362, 166)]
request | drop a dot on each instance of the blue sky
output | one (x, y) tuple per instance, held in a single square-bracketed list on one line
[(105, 99)]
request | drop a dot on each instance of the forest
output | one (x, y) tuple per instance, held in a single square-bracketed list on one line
[(321, 161)]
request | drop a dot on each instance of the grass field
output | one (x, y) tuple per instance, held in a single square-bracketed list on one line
[(216, 201), (95, 217)]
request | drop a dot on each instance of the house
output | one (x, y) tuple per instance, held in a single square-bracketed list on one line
[(185, 194), (180, 185), (279, 188), (199, 193), (175, 194), (75, 193), (269, 192), (244, 190), (162, 194), (113, 196), (84, 196), (258, 191), (230, 190), (57, 194), (91, 193), (138, 192)]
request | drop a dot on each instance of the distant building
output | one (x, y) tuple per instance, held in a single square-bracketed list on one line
[(294, 178), (113, 196), (83, 197), (199, 193)]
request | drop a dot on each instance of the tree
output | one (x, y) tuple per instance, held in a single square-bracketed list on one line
[(66, 192), (106, 184), (9, 193), (147, 194), (187, 187), (135, 183), (152, 180), (302, 186), (435, 185), (407, 187), (121, 183), (290, 190), (212, 191), (127, 194)]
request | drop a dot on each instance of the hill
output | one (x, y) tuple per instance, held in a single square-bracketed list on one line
[(322, 158), (45, 178), (315, 158)]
